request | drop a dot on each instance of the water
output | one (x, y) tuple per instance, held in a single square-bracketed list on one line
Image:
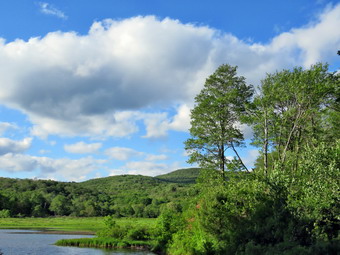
[(29, 242)]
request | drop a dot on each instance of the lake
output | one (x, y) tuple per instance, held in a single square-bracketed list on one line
[(30, 242)]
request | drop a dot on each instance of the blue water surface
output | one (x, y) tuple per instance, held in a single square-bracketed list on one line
[(30, 242)]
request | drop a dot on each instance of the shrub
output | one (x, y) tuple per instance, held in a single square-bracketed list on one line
[(4, 213)]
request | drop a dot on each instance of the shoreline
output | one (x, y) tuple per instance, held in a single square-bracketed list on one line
[(52, 232), (106, 243)]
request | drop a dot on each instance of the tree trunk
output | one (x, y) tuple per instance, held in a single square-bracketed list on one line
[(238, 156), (290, 136), (265, 144)]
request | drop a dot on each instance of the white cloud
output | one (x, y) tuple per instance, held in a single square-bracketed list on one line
[(318, 41), (48, 9), (104, 82), (11, 146), (4, 126), (124, 154), (121, 153), (245, 130), (251, 157), (147, 168), (44, 151), (153, 157), (17, 163), (68, 169), (181, 121), (158, 124), (117, 124), (49, 168), (82, 148)]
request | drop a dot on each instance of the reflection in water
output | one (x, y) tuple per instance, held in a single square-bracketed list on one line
[(29, 242)]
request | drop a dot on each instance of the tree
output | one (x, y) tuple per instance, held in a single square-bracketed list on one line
[(292, 109), (215, 119), (60, 205)]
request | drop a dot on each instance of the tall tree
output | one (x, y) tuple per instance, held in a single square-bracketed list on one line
[(215, 120), (291, 110)]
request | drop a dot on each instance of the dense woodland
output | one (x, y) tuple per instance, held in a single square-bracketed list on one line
[(121, 196)]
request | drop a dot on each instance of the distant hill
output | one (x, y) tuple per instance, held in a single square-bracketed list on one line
[(120, 183), (188, 175), (117, 184), (123, 195)]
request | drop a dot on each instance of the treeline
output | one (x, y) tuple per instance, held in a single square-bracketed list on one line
[(41, 198), (120, 196)]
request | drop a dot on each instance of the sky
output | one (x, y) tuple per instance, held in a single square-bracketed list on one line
[(92, 89)]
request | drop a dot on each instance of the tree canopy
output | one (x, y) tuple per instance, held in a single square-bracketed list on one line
[(216, 118)]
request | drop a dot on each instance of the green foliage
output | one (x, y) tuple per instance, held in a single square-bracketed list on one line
[(188, 175), (118, 235), (88, 225), (315, 190), (294, 108), (59, 205), (105, 242), (290, 203), (214, 119), (5, 213), (169, 223), (283, 212), (121, 196)]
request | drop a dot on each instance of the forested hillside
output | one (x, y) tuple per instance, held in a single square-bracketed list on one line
[(181, 176), (122, 196)]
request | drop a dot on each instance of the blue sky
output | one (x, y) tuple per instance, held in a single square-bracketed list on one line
[(97, 88)]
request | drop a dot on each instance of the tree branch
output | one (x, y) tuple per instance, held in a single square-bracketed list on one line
[(238, 156)]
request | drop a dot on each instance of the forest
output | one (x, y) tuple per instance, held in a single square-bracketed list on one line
[(121, 196), (287, 204)]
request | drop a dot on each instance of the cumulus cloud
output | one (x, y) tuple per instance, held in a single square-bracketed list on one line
[(11, 162), (158, 124), (147, 168), (82, 148), (67, 169), (11, 146), (153, 157), (251, 157), (49, 168), (121, 153), (317, 41), (48, 9), (101, 83), (4, 126), (181, 121), (124, 154)]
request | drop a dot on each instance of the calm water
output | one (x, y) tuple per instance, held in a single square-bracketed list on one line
[(27, 242)]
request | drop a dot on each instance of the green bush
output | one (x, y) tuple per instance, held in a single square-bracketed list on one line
[(4, 213), (139, 233), (283, 212)]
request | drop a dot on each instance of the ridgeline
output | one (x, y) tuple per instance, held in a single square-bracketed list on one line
[(122, 196)]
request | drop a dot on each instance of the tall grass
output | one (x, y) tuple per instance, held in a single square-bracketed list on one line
[(105, 242), (92, 224)]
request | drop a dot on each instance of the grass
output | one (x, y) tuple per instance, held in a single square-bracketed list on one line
[(105, 242), (71, 224)]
